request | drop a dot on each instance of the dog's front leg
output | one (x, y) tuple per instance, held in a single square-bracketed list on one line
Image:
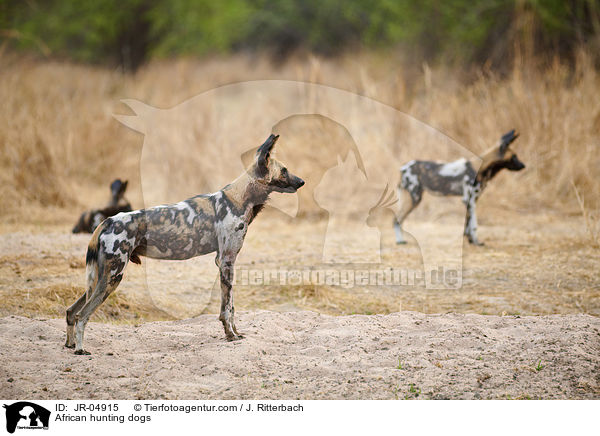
[(471, 193), (471, 222), (227, 310)]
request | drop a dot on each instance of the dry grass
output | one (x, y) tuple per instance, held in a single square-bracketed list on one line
[(591, 218), (57, 130), (52, 301)]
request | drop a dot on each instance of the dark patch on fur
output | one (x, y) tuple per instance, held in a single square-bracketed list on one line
[(91, 255), (255, 211), (490, 171), (140, 250), (118, 227), (115, 279), (222, 207)]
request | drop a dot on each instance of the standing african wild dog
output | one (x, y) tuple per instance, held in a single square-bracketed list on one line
[(200, 225), (453, 178), (89, 220)]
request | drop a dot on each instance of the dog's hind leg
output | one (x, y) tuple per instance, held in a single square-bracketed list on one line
[(91, 277), (408, 201), (71, 312), (101, 293), (109, 277)]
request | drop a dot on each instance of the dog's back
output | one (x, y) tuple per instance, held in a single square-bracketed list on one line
[(441, 178)]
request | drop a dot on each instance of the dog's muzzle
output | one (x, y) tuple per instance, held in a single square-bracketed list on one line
[(298, 183)]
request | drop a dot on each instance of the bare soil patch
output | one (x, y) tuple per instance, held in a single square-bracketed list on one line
[(306, 355)]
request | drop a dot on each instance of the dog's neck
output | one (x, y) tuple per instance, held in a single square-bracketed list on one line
[(118, 201), (491, 164), (247, 193), (488, 172)]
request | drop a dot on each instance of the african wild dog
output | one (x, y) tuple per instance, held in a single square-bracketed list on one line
[(453, 178), (89, 220), (200, 225)]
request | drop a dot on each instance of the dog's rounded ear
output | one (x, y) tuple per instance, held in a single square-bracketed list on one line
[(264, 152), (506, 140)]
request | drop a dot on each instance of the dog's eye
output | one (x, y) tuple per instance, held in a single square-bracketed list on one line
[(284, 172)]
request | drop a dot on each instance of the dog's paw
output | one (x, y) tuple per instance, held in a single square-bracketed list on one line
[(67, 345), (237, 333), (473, 241), (232, 338), (82, 352)]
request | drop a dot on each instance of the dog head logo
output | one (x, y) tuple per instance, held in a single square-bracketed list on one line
[(342, 192), (26, 415)]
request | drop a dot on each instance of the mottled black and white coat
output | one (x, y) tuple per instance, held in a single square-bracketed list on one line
[(457, 178), (203, 224)]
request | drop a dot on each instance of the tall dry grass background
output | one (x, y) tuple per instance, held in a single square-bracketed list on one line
[(60, 145)]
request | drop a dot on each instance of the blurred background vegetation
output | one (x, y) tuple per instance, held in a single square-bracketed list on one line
[(128, 33)]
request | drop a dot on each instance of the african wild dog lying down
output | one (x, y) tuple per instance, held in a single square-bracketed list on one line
[(89, 220), (200, 225), (453, 178)]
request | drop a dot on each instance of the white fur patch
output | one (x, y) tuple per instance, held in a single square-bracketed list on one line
[(124, 217), (230, 240), (182, 205), (453, 169), (109, 240), (409, 179)]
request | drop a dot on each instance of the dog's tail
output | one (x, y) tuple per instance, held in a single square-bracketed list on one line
[(93, 246), (91, 260)]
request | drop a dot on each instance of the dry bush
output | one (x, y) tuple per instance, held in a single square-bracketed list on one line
[(59, 143), (56, 131)]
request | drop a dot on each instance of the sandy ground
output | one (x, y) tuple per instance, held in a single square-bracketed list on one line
[(305, 355)]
